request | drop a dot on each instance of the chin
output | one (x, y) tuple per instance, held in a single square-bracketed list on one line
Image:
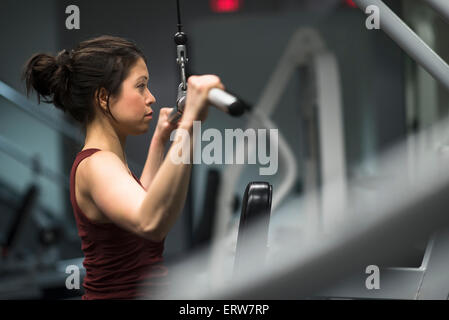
[(144, 129)]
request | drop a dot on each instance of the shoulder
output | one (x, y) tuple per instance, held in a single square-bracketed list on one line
[(116, 194), (100, 164)]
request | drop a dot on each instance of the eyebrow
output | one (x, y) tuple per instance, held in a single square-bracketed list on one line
[(142, 77)]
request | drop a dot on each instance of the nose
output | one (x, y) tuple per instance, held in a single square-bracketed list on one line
[(150, 99)]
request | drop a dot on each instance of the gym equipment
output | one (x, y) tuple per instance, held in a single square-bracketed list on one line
[(221, 99), (425, 281), (21, 214), (325, 166), (317, 264), (34, 237), (440, 6), (409, 41), (407, 210), (256, 207)]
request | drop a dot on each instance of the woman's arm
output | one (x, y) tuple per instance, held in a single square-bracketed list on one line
[(167, 193), (156, 151), (154, 160), (150, 214), (168, 190)]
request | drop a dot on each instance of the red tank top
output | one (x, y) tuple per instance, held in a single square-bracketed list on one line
[(119, 264)]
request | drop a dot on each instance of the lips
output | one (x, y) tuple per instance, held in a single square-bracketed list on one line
[(149, 114)]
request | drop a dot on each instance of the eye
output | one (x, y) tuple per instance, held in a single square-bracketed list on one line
[(142, 86)]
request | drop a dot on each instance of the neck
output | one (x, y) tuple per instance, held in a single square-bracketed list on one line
[(100, 134)]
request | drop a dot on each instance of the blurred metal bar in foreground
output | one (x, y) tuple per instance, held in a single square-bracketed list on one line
[(409, 41)]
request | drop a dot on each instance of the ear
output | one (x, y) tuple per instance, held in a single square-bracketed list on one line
[(102, 99)]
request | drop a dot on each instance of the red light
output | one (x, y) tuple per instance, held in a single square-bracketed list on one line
[(225, 5), (350, 3)]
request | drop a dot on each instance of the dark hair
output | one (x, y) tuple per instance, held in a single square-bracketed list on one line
[(72, 80)]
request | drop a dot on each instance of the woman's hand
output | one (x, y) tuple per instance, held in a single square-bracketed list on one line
[(197, 96), (164, 128)]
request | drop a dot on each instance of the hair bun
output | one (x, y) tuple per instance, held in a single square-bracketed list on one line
[(64, 58), (50, 77), (61, 79)]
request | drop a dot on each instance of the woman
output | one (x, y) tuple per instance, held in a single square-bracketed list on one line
[(122, 221)]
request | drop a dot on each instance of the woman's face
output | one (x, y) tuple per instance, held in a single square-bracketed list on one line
[(132, 108)]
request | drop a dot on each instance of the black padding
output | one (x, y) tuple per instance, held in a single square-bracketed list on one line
[(256, 210)]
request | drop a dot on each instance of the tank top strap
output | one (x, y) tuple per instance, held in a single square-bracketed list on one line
[(83, 155)]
